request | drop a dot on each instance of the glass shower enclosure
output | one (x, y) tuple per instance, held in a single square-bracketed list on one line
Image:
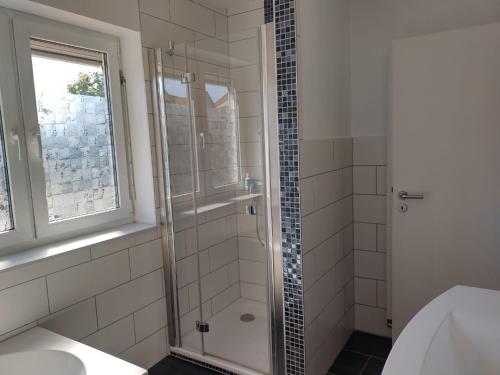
[(216, 212)]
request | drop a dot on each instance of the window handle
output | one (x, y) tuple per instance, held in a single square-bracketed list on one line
[(37, 138), (202, 136), (15, 139)]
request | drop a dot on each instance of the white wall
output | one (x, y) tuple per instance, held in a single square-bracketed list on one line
[(323, 70), (374, 24)]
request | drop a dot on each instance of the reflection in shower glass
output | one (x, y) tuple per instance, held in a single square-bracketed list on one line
[(222, 145), (179, 133)]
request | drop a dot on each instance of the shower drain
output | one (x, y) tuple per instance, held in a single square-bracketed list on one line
[(247, 318)]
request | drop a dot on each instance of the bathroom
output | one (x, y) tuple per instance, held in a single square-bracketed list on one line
[(249, 187)]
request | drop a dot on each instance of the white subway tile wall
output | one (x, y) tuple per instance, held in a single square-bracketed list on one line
[(23, 304), (91, 300), (343, 204), (245, 25), (114, 338), (370, 199), (145, 258), (148, 319), (86, 280), (148, 351), (157, 8), (219, 267), (129, 297), (44, 267), (327, 225), (63, 322)]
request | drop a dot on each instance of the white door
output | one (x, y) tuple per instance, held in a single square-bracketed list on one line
[(446, 146)]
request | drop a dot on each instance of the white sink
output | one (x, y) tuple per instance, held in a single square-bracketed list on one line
[(41, 362), (41, 352), (458, 333)]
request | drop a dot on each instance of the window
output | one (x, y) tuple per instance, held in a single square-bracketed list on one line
[(75, 130), (63, 166)]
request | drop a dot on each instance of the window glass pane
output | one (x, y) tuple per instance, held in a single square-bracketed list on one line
[(6, 222), (75, 129)]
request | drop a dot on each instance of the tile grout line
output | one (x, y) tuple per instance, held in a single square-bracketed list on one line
[(328, 205), (96, 314), (115, 321), (326, 172), (48, 298)]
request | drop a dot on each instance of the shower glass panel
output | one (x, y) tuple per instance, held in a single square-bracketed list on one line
[(213, 132), (178, 132), (230, 206)]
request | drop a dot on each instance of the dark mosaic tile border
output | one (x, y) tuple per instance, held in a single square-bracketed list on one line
[(268, 11), (288, 134), (203, 364)]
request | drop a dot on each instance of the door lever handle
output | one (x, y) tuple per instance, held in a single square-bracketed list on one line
[(403, 195)]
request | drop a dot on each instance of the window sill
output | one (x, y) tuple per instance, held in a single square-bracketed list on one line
[(26, 257)]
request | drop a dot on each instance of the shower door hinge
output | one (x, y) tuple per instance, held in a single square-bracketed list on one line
[(187, 78), (202, 327)]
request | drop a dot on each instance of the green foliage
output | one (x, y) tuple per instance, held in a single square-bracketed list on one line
[(88, 84)]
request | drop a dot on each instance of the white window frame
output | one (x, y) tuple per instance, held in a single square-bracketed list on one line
[(29, 197), (15, 147)]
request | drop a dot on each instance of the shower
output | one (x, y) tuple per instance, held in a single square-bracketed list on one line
[(220, 216)]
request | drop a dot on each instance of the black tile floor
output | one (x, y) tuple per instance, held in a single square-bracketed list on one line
[(363, 354), (176, 366)]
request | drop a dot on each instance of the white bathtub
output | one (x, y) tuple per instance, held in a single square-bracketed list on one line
[(458, 333)]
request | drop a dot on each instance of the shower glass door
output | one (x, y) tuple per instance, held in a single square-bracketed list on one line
[(231, 221), (215, 172), (182, 184)]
